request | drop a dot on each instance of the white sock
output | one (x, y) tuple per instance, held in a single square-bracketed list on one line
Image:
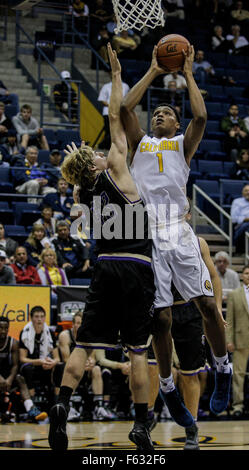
[(222, 364), (28, 404), (167, 385)]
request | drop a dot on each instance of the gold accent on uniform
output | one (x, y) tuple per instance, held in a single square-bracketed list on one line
[(127, 255), (164, 145), (208, 285)]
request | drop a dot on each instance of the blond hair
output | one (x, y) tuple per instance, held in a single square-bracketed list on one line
[(31, 239), (78, 166), (45, 252)]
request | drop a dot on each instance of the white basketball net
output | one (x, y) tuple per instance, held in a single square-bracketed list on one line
[(138, 14)]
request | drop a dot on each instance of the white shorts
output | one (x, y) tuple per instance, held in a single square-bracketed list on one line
[(183, 265)]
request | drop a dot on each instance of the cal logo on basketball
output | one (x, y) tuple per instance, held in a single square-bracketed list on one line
[(164, 145), (208, 285)]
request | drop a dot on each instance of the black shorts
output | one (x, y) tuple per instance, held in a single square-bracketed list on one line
[(119, 300), (187, 333)]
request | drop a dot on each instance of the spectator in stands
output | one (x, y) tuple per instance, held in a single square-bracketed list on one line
[(61, 202), (74, 255), (100, 14), (174, 8), (7, 244), (246, 119), (218, 41), (237, 44), (11, 145), (35, 243), (239, 14), (181, 83), (49, 272), (99, 43), (28, 130), (237, 334), (32, 180), (173, 96), (80, 11), (236, 132), (229, 278), (7, 97), (124, 45), (6, 272), (39, 355), (5, 124), (9, 379), (242, 166), (24, 273), (65, 97), (202, 69), (53, 168), (104, 98), (240, 217), (48, 221)]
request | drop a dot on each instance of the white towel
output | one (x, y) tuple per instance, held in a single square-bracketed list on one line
[(46, 341)]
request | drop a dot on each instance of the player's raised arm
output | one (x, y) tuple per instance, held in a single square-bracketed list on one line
[(118, 151), (196, 127), (132, 99)]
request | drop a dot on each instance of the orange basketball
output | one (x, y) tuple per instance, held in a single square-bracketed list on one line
[(169, 52)]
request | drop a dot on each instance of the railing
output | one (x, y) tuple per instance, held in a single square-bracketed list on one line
[(197, 210), (156, 91), (39, 83), (247, 248), (3, 22)]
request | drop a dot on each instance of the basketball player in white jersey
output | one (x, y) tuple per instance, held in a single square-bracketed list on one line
[(160, 168)]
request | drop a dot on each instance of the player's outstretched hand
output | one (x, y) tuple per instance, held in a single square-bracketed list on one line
[(189, 59), (154, 63), (113, 58)]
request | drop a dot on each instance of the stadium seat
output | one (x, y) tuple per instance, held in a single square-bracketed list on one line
[(51, 138), (4, 175), (212, 190), (6, 214), (26, 213), (10, 111), (229, 168), (17, 232), (212, 149), (43, 156), (213, 131), (212, 170), (80, 282), (67, 136)]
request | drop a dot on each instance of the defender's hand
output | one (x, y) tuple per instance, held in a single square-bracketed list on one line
[(189, 59), (114, 62)]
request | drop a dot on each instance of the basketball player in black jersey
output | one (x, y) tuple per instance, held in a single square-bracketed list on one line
[(121, 293)]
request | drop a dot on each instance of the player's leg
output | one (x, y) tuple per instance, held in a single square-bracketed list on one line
[(215, 333), (73, 373), (139, 383)]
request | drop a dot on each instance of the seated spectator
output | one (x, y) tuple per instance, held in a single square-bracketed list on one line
[(202, 69), (49, 272), (28, 130), (80, 12), (32, 180), (5, 124), (65, 97), (242, 166), (6, 272), (240, 14), (100, 13), (174, 8), (173, 96), (7, 244), (237, 136), (48, 221), (237, 43), (99, 43), (11, 145), (181, 83), (53, 168), (218, 41), (74, 255), (7, 97), (104, 98), (35, 243), (124, 45), (39, 355), (61, 202), (229, 278), (240, 217), (246, 119), (24, 273), (10, 379)]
